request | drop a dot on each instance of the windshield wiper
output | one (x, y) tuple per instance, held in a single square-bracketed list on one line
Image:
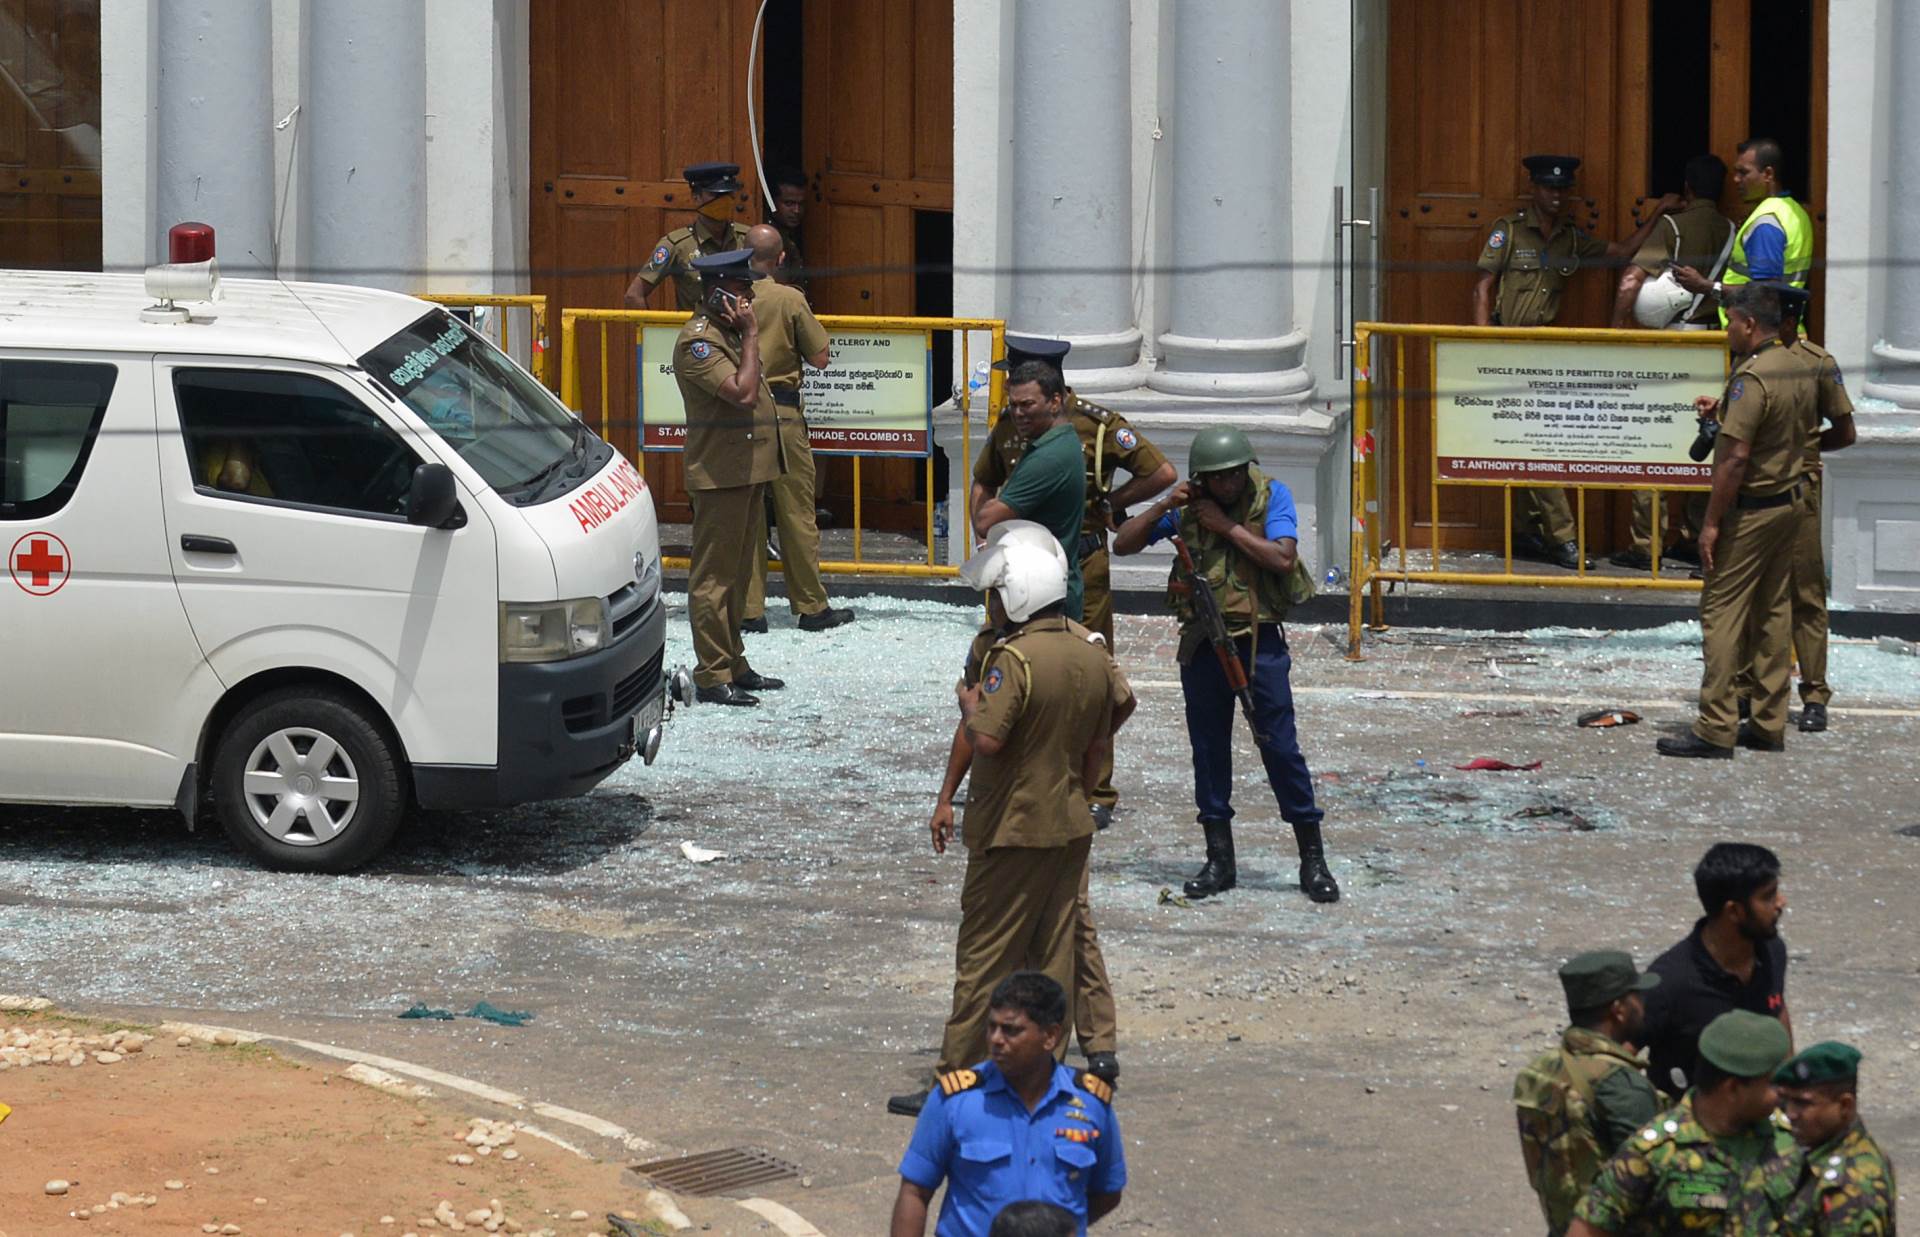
[(576, 456)]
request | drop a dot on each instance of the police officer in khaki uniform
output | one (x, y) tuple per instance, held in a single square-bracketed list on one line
[(789, 334), (1525, 264), (1696, 235), (1808, 589), (732, 452), (1109, 444), (713, 230), (1759, 463), (1032, 732)]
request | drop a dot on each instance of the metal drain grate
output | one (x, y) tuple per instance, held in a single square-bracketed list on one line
[(717, 1172)]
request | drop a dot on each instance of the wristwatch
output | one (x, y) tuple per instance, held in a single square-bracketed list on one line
[(1719, 290)]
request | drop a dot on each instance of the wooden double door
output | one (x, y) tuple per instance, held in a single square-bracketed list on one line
[(50, 134), (1631, 87), (625, 95)]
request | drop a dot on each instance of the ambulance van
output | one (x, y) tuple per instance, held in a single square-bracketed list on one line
[(306, 557)]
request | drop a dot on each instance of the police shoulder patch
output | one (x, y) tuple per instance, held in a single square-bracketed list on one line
[(1837, 379), (991, 683), (956, 1081), (1738, 389), (700, 349), (660, 256), (1096, 1086), (1498, 240), (1127, 439)]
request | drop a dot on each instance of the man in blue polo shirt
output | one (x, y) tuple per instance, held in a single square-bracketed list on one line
[(1018, 1127)]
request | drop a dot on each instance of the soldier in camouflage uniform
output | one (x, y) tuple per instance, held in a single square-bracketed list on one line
[(1682, 1173), (1577, 1103), (1836, 1182)]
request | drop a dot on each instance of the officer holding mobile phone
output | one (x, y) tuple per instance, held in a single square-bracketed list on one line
[(732, 453)]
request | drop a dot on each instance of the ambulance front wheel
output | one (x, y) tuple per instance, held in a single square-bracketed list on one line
[(305, 781)]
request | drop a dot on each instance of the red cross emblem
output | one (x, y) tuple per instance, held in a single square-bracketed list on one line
[(40, 564)]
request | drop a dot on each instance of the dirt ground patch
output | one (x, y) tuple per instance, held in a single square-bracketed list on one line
[(248, 1138)]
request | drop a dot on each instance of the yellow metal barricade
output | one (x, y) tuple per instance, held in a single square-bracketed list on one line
[(622, 327), (506, 336), (1381, 449)]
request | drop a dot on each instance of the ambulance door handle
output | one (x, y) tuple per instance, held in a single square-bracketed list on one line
[(194, 543)]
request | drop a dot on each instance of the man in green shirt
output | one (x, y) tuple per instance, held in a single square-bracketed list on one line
[(1049, 484)]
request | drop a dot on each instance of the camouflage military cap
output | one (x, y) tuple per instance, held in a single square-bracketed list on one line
[(1745, 1044), (1827, 1061), (1601, 976)]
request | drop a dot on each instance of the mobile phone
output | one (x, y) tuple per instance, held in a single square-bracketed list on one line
[(722, 302)]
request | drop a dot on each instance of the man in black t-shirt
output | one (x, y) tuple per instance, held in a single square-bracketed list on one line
[(1733, 959)]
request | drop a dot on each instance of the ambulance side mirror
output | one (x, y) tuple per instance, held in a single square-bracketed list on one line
[(433, 500)]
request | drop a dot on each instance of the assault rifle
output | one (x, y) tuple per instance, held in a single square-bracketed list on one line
[(1214, 624)]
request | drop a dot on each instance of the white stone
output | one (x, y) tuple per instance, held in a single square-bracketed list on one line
[(225, 1038), (183, 1041), (59, 1186), (479, 1215), (510, 1154), (577, 1215), (175, 1184)]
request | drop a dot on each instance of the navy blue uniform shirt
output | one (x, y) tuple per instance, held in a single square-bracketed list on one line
[(992, 1152)]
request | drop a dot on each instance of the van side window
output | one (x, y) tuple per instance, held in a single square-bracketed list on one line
[(294, 438), (50, 414)]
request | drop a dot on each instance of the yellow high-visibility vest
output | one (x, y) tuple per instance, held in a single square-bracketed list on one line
[(1798, 226)]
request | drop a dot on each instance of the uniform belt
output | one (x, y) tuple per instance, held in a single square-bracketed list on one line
[(788, 396), (1091, 544), (1751, 502)]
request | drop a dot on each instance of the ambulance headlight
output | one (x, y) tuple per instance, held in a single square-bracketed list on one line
[(552, 630)]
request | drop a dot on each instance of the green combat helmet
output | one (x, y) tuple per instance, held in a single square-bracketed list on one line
[(1217, 449)]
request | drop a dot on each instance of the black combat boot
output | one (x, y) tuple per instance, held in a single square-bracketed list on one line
[(1217, 875), (1315, 881)]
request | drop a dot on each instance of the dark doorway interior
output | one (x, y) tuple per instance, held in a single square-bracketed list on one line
[(1680, 45), (933, 298), (1782, 59), (781, 93)]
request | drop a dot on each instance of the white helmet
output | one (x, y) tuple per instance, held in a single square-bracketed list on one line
[(1025, 563), (1660, 302)]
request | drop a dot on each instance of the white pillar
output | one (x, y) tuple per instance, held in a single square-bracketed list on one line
[(214, 126), (1897, 356), (366, 121), (1072, 186), (1869, 492), (1231, 330)]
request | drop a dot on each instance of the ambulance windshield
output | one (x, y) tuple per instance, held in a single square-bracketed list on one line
[(511, 429)]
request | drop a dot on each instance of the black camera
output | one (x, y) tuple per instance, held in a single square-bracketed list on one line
[(1703, 441)]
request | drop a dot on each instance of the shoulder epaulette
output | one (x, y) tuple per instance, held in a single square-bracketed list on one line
[(1098, 412), (955, 1081), (1096, 1086), (679, 234)]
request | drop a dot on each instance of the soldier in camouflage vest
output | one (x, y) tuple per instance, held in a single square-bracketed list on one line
[(1836, 1182), (1578, 1102), (1243, 534), (1682, 1173)]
